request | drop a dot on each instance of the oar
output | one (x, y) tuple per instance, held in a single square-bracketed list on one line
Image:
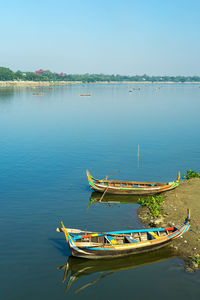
[(103, 194), (110, 175)]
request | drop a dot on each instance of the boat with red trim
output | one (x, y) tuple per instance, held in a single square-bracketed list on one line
[(94, 245)]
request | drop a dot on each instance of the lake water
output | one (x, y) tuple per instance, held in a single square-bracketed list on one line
[(47, 143)]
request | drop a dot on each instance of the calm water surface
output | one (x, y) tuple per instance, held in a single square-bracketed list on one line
[(47, 143)]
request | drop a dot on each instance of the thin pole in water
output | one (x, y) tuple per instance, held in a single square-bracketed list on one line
[(138, 156)]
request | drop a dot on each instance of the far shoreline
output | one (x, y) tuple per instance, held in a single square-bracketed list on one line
[(63, 83)]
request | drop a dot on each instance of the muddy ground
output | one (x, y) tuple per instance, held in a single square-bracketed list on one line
[(175, 205)]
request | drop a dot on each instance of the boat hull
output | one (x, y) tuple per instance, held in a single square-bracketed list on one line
[(130, 192), (99, 254)]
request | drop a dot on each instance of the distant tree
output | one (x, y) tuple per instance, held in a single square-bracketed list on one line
[(6, 74), (31, 76), (19, 75), (46, 75)]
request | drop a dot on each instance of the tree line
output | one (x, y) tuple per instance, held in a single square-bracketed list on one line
[(45, 75)]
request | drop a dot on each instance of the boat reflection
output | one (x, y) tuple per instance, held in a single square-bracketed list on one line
[(75, 268), (112, 199)]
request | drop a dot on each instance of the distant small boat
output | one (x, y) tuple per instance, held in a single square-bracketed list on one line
[(130, 187), (85, 95), (95, 245), (39, 94)]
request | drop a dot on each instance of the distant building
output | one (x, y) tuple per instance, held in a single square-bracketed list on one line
[(39, 71), (62, 74)]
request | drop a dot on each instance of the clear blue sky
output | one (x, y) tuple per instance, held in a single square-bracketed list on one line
[(91, 36)]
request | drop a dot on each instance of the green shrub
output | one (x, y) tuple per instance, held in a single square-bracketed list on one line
[(153, 203), (191, 174), (195, 259)]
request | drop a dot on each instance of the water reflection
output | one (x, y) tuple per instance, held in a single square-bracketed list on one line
[(6, 93), (111, 199), (77, 268)]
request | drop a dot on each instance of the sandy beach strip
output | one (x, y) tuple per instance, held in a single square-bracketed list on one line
[(16, 83)]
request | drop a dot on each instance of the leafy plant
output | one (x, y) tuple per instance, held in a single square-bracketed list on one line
[(195, 259), (153, 204), (191, 174)]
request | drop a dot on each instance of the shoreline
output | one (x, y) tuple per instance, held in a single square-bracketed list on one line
[(16, 83), (176, 203)]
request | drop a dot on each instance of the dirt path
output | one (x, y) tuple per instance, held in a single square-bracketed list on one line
[(187, 195)]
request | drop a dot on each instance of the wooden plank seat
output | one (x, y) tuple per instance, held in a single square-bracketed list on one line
[(130, 239), (111, 240), (153, 235)]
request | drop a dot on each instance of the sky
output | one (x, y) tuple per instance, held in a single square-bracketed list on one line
[(126, 37)]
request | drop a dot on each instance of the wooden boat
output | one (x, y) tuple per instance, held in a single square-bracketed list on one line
[(94, 270), (130, 187), (96, 245)]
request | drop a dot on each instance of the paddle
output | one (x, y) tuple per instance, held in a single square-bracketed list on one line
[(103, 194), (108, 186), (110, 175)]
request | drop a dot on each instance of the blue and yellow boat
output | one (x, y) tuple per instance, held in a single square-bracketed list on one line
[(95, 245)]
